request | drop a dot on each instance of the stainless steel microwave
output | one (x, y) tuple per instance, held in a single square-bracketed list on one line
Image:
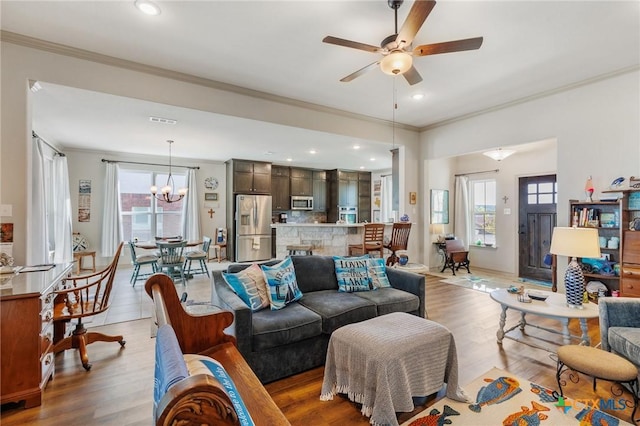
[(301, 203)]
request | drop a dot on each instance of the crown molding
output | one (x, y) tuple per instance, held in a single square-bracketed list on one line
[(61, 49), (546, 93)]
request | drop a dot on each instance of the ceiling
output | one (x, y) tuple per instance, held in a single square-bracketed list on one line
[(530, 48)]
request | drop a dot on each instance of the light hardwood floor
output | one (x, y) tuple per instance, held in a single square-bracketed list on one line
[(118, 389)]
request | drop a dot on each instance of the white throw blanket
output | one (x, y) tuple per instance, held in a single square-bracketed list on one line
[(383, 362)]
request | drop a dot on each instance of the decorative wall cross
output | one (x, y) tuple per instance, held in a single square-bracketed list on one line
[(211, 212), (505, 199)]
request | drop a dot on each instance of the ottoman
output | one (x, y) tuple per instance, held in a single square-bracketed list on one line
[(598, 364), (383, 362)]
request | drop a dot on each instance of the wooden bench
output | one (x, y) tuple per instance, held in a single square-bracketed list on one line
[(196, 399)]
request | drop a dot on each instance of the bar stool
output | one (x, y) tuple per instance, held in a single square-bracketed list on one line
[(300, 250)]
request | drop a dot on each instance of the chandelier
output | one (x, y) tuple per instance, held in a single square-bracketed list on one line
[(165, 192)]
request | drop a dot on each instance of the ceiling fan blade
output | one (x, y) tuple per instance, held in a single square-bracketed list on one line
[(351, 44), (359, 72), (412, 76), (417, 15), (448, 46)]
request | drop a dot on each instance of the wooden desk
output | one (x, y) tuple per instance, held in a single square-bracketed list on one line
[(77, 257), (26, 333)]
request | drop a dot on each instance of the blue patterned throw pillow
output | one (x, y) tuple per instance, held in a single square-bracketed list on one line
[(353, 273), (378, 273), (250, 286), (281, 283)]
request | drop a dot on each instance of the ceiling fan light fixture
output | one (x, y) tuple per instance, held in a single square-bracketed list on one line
[(499, 154), (396, 62)]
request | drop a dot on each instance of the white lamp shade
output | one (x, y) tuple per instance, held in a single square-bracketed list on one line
[(397, 62), (575, 242), (499, 154)]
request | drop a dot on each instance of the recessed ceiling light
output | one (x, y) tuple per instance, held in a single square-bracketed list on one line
[(417, 96), (356, 147), (361, 167), (268, 153), (313, 151), (289, 159), (372, 159), (147, 7)]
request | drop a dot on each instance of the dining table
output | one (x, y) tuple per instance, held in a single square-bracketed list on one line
[(151, 245)]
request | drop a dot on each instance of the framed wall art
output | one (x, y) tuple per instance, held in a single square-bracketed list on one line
[(211, 196)]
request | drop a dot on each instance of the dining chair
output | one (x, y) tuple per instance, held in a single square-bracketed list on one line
[(399, 240), (199, 255), (138, 261), (80, 297), (457, 256), (372, 240), (171, 259)]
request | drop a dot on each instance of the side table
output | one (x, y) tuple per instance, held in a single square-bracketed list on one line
[(77, 257)]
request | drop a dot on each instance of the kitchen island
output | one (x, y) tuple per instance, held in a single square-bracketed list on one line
[(328, 239)]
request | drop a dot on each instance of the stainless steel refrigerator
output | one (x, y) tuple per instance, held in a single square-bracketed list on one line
[(253, 227)]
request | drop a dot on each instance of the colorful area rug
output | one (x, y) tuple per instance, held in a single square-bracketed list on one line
[(502, 398)]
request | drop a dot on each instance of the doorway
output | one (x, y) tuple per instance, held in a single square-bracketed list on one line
[(537, 210)]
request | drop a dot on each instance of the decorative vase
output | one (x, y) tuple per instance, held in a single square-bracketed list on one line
[(574, 285), (403, 260), (404, 218)]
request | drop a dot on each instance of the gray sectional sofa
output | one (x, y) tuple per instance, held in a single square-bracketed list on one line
[(277, 344)]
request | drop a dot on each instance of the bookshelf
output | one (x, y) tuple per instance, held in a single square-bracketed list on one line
[(606, 217)]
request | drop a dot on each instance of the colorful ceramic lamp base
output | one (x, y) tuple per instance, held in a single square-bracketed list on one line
[(574, 285)]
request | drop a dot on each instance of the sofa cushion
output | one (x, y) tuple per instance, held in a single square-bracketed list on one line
[(388, 300), (378, 273), (288, 325), (625, 341), (282, 284), (352, 273), (338, 309), (250, 286), (315, 273), (237, 267)]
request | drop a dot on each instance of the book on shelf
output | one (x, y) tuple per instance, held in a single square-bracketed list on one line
[(586, 217)]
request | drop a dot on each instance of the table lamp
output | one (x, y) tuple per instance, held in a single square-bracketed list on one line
[(574, 243)]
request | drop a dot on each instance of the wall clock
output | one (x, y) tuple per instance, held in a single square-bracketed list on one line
[(211, 183), (79, 242)]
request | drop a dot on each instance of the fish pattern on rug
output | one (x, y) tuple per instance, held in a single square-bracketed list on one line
[(502, 398)]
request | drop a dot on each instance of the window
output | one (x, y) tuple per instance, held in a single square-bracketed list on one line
[(143, 216), (542, 193), (483, 193)]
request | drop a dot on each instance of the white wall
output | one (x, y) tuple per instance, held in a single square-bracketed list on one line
[(89, 165), (19, 64), (597, 128)]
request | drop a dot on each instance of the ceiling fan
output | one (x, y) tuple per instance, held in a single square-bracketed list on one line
[(396, 48)]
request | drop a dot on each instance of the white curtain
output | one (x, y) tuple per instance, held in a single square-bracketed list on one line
[(190, 209), (462, 217), (386, 198), (61, 207), (38, 241), (111, 223)]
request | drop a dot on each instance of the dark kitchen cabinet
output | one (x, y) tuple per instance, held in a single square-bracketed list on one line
[(280, 195), (364, 196), (319, 191), (251, 177), (301, 182)]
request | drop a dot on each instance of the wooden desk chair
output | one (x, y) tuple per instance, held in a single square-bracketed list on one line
[(81, 297), (372, 240), (138, 261), (399, 240), (456, 256), (200, 256), (171, 259)]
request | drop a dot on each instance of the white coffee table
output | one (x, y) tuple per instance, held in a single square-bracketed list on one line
[(553, 307)]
